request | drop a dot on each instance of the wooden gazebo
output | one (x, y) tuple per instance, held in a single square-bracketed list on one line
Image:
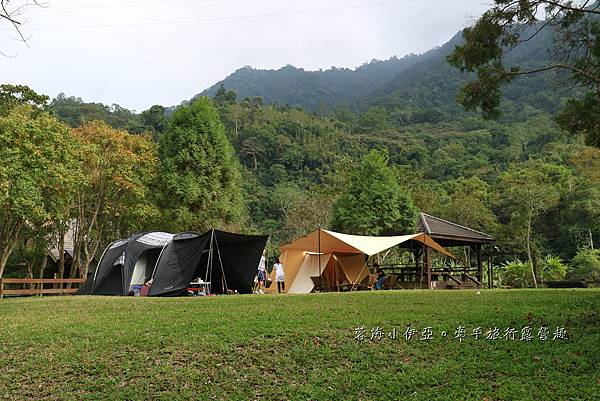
[(449, 234)]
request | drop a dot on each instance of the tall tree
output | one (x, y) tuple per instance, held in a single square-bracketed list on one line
[(526, 191), (200, 174), (224, 97), (303, 209), (116, 198), (470, 204), (39, 173), (576, 54), (373, 203)]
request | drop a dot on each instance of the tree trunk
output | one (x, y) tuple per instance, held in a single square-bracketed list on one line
[(528, 242), (43, 269), (9, 239), (89, 257), (3, 261), (61, 252), (30, 266)]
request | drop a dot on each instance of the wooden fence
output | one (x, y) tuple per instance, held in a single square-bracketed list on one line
[(38, 289)]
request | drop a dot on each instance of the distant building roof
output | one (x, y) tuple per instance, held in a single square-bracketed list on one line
[(69, 246), (447, 233)]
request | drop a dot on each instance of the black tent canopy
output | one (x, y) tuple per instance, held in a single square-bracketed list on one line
[(239, 256), (178, 264), (228, 261), (125, 263)]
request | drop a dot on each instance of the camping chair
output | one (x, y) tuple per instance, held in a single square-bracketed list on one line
[(318, 283), (367, 283), (391, 283)]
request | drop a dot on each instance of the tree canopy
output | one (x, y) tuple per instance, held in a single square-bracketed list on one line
[(200, 174), (373, 203), (39, 173), (575, 54)]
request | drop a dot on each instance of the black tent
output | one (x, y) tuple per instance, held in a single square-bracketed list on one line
[(228, 261), (126, 263)]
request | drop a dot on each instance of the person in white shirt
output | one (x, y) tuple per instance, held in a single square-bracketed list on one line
[(262, 273), (279, 276)]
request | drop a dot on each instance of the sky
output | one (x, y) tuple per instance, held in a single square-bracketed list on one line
[(137, 53)]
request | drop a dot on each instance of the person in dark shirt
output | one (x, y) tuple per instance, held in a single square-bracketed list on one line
[(380, 278)]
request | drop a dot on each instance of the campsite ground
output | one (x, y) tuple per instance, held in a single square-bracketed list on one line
[(301, 347)]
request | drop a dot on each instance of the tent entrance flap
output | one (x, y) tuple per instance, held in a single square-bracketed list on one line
[(144, 267), (112, 284), (309, 268), (178, 264), (353, 267)]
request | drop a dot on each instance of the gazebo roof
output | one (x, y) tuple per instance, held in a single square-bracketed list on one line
[(447, 233)]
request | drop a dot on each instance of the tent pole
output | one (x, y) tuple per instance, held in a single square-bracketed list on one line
[(209, 261), (266, 251), (223, 279), (157, 260), (319, 246), (334, 274), (361, 270), (337, 281)]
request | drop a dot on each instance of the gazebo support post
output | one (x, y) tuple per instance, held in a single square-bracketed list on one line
[(427, 262), (490, 274), (417, 270), (479, 265)]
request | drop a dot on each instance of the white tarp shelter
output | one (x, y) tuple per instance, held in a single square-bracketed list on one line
[(338, 259)]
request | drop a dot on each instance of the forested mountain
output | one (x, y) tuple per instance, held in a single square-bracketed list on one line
[(314, 89), (419, 88)]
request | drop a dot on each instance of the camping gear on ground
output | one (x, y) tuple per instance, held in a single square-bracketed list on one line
[(199, 287), (144, 291), (137, 289)]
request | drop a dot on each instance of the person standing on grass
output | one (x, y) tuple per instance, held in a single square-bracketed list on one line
[(262, 273), (279, 276)]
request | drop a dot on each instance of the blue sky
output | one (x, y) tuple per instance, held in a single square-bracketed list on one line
[(142, 52)]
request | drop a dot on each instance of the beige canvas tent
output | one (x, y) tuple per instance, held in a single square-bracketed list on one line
[(337, 259)]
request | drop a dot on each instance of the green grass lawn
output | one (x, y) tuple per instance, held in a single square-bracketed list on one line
[(301, 347)]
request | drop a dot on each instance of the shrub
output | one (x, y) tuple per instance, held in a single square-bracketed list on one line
[(552, 268), (516, 274), (585, 265)]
